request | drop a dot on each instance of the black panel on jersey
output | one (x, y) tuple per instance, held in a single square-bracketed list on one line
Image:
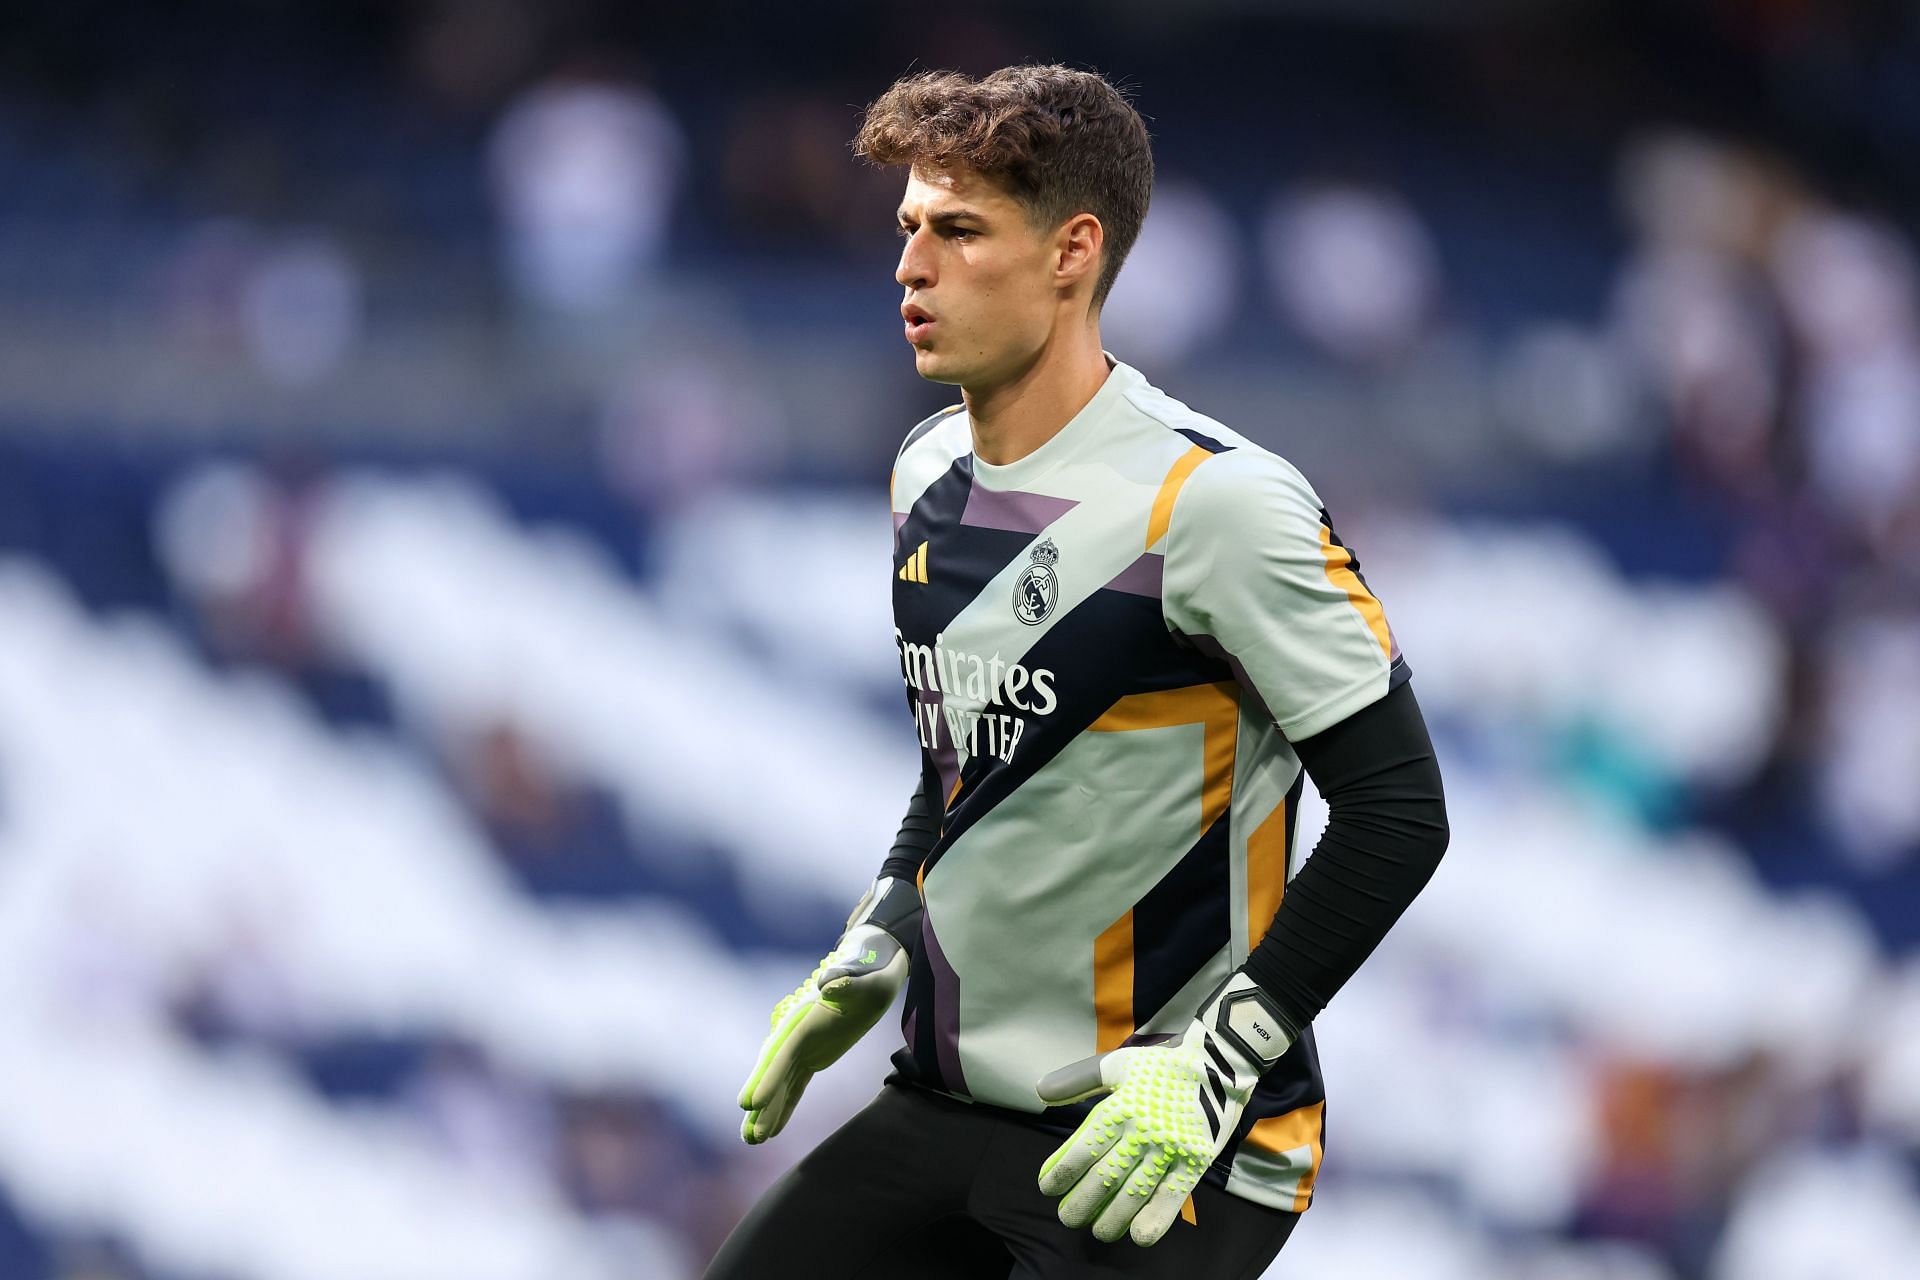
[(1204, 441), (959, 557), (1181, 922), (940, 505), (1098, 652)]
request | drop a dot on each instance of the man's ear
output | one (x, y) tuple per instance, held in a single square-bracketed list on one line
[(1078, 245)]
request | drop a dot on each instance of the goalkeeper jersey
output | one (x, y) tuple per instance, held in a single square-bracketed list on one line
[(1107, 645)]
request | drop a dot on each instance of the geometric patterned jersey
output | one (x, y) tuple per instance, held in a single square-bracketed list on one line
[(1108, 646)]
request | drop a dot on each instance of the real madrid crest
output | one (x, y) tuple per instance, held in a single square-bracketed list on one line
[(1037, 590)]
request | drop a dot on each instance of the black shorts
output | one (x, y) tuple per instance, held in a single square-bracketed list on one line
[(919, 1186)]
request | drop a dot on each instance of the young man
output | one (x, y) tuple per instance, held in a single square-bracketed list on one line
[(1124, 630)]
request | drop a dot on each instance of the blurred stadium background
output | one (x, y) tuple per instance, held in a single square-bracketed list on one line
[(446, 689)]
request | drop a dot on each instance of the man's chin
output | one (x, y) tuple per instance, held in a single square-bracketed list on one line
[(929, 365)]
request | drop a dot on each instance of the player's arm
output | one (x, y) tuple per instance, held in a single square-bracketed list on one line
[(1386, 831), (1256, 573), (851, 988), (919, 830)]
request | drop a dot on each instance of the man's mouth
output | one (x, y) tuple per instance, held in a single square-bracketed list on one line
[(918, 322)]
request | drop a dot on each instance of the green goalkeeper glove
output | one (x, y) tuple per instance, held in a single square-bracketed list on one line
[(1170, 1110), (838, 1003)]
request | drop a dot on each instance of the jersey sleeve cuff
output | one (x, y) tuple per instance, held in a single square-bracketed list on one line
[(1324, 715)]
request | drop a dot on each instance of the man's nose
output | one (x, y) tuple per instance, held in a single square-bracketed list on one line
[(916, 264)]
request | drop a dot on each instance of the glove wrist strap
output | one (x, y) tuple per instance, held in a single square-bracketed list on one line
[(893, 904), (1242, 1016)]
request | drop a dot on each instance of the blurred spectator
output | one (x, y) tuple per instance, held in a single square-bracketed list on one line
[(1849, 291), (1180, 287), (1870, 749), (290, 305), (617, 1156), (1705, 337), (234, 538), (626, 1156), (1353, 269), (558, 837), (238, 988), (300, 309), (1675, 1146), (586, 171)]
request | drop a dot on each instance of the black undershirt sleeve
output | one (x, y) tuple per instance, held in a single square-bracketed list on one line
[(919, 829), (1386, 832)]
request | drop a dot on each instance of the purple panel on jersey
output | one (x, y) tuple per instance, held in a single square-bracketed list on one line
[(1142, 577), (1013, 510), (946, 761), (946, 1008), (899, 518)]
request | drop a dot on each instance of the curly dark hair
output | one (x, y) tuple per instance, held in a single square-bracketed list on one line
[(1060, 141)]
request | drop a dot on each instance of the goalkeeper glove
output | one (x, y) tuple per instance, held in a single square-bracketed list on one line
[(1170, 1109), (838, 1003)]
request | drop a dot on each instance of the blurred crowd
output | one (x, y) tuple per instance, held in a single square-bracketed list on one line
[(1605, 324), (1780, 334)]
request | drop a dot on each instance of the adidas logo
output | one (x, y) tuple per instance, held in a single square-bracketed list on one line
[(915, 569)]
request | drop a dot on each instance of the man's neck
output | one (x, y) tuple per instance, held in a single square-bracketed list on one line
[(1013, 419)]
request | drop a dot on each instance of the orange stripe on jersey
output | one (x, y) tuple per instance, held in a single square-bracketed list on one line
[(1217, 706), (1113, 984), (1266, 872), (1338, 557), (951, 794), (1162, 515), (1186, 1211), (1302, 1128)]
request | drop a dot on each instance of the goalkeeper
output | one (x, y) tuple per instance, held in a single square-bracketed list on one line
[(1127, 634)]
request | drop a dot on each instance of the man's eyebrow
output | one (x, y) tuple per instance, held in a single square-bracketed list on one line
[(945, 216)]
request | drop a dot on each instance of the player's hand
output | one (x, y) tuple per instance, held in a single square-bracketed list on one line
[(838, 1003), (1170, 1109)]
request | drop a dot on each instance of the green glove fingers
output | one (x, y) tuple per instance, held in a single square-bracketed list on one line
[(1125, 1150), (851, 988), (780, 1075), (1135, 1194), (1162, 1207)]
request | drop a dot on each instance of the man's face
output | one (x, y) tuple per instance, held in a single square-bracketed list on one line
[(979, 279)]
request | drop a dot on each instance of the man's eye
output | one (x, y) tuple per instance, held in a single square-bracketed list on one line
[(961, 233)]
